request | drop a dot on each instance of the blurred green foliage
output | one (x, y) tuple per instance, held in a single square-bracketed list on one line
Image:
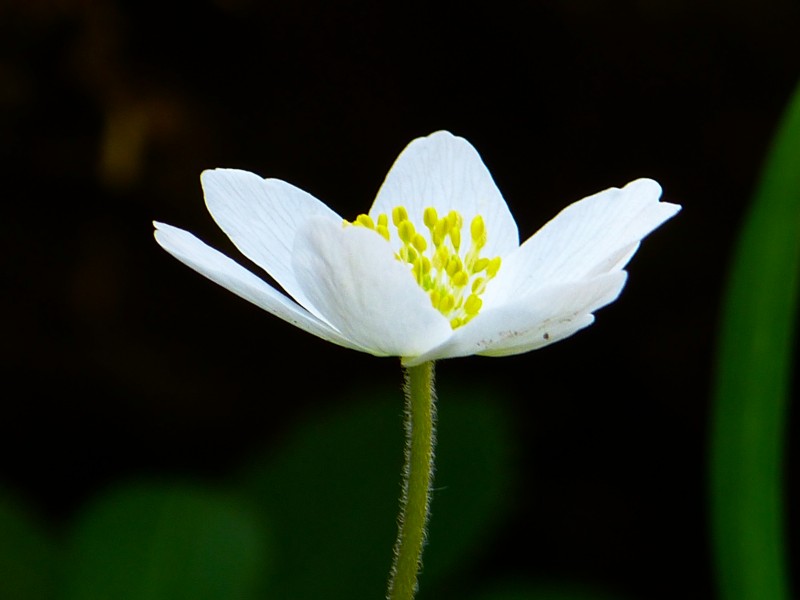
[(28, 553), (753, 380), (335, 488), (165, 540), (313, 517)]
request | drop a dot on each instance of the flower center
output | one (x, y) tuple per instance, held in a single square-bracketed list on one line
[(453, 281)]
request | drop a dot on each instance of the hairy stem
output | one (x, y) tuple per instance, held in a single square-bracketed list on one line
[(420, 419)]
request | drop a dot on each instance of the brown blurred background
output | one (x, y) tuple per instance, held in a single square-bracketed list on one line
[(116, 359)]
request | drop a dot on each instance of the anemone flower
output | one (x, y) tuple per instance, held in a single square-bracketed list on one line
[(435, 269)]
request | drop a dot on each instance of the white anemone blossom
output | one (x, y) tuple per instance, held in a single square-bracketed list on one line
[(435, 269)]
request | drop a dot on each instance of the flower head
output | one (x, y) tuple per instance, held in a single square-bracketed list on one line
[(435, 268)]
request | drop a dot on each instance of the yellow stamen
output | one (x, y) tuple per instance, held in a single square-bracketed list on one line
[(365, 221), (454, 281), (399, 214), (430, 217)]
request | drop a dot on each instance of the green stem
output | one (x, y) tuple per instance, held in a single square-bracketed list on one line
[(420, 419)]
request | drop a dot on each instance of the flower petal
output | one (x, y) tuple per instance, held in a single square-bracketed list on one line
[(352, 277), (232, 276), (596, 235), (547, 316), (261, 217), (447, 173)]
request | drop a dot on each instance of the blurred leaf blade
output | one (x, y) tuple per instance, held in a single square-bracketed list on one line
[(333, 493), (152, 541), (28, 555), (753, 381)]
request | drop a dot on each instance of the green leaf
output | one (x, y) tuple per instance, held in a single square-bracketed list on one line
[(153, 541), (333, 494), (27, 553), (753, 379)]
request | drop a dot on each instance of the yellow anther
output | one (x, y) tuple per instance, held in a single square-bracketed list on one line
[(365, 221), (478, 285), (419, 268), (419, 242), (422, 266), (383, 230), (446, 303), (429, 217), (406, 231), (478, 231), (453, 265), (399, 215), (460, 279), (480, 264), (440, 257), (455, 237), (454, 220), (472, 305), (439, 232), (493, 267)]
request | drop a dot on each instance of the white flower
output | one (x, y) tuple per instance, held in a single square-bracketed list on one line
[(435, 269)]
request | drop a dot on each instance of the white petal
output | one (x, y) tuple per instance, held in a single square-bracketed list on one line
[(232, 276), (351, 276), (549, 315), (261, 217), (447, 173), (598, 234)]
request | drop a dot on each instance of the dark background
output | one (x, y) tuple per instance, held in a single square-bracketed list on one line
[(118, 360)]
